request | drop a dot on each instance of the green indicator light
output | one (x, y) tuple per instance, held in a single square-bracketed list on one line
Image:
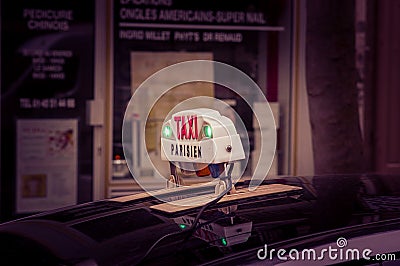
[(207, 131), (223, 241), (167, 132), (182, 226)]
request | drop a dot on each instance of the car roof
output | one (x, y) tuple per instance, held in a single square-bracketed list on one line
[(123, 230)]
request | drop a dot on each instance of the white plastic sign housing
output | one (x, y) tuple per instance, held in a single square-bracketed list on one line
[(200, 136)]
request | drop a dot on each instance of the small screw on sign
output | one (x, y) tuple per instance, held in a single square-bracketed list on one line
[(229, 148)]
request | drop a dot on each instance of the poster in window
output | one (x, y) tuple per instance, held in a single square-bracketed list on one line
[(43, 186)]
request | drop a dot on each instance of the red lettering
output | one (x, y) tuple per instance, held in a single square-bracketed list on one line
[(186, 127), (183, 129), (195, 127), (177, 119), (193, 130)]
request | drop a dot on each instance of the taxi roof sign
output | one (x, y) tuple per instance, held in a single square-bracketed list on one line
[(200, 135)]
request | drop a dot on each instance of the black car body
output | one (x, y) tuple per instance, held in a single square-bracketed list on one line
[(362, 210)]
